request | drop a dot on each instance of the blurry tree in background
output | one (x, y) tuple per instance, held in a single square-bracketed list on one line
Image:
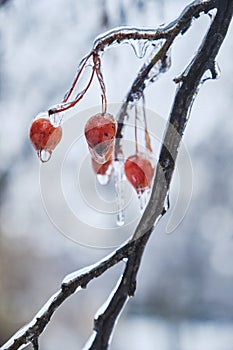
[(192, 270)]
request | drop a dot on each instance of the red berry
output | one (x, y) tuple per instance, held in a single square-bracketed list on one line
[(44, 136), (101, 169), (100, 132), (139, 172)]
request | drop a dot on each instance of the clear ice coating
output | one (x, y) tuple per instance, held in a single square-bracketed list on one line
[(42, 115), (85, 62), (160, 67), (102, 152), (212, 13), (56, 118), (139, 46), (119, 188), (125, 32), (44, 155)]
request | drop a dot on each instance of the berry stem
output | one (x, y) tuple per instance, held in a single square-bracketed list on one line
[(147, 136), (66, 106), (80, 70), (97, 65)]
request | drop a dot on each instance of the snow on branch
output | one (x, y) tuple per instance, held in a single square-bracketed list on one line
[(132, 250)]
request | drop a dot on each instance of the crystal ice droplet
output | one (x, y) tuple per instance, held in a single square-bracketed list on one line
[(103, 179), (119, 188), (44, 155), (103, 171)]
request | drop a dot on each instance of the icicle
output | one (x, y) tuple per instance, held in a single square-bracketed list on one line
[(44, 155), (139, 46), (143, 197), (119, 188)]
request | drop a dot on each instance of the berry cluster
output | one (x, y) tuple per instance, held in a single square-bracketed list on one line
[(100, 133)]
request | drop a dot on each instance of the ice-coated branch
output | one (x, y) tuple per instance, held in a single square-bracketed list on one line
[(145, 37), (204, 60), (133, 250), (180, 25), (169, 33), (105, 320)]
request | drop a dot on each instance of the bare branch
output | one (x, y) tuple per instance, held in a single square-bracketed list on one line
[(204, 60), (180, 25), (170, 33), (104, 324)]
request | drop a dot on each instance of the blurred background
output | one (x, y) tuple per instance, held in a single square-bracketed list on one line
[(184, 297)]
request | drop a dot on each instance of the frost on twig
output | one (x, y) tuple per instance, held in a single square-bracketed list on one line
[(132, 250)]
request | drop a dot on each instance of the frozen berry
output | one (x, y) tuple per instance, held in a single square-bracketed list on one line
[(44, 136), (100, 132), (139, 172)]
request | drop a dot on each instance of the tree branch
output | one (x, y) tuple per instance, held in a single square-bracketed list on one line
[(104, 324), (133, 249), (203, 61)]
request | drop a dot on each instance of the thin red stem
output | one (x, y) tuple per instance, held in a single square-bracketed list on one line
[(101, 82), (78, 98), (147, 137), (68, 94)]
